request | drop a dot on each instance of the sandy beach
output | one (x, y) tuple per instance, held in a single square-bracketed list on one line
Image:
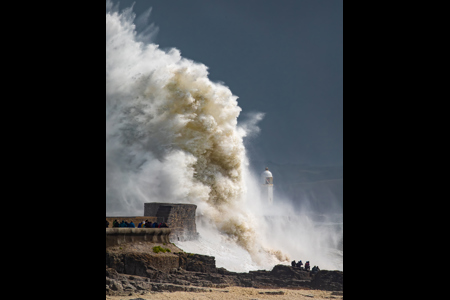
[(236, 293)]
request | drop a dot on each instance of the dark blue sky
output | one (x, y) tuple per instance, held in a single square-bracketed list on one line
[(283, 58)]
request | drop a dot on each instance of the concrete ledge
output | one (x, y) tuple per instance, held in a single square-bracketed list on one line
[(119, 236)]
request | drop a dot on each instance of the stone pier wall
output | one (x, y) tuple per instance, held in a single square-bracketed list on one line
[(178, 216), (119, 236)]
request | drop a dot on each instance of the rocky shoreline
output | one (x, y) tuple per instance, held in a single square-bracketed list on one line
[(133, 269)]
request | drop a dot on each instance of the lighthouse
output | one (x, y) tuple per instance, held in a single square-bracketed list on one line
[(267, 186)]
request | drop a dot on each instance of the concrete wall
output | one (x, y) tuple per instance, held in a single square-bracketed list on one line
[(179, 217), (119, 236)]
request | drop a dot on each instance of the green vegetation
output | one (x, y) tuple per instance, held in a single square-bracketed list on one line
[(158, 249)]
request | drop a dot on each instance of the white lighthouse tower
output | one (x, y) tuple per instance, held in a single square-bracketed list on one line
[(267, 186)]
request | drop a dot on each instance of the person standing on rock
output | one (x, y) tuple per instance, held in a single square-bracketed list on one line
[(315, 269), (293, 263), (299, 264)]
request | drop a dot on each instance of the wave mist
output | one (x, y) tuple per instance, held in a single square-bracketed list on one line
[(172, 136)]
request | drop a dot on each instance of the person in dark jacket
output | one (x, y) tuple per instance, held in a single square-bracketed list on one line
[(307, 267), (131, 225), (107, 224), (299, 264), (148, 224), (314, 270), (293, 263)]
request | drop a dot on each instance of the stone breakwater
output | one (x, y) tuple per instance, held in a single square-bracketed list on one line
[(121, 236), (134, 269), (180, 217)]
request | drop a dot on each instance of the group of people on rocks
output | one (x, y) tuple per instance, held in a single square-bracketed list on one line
[(143, 224), (299, 265)]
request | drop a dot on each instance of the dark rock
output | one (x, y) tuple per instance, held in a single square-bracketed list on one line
[(112, 273), (328, 280), (281, 271), (197, 263), (116, 286), (140, 273), (272, 293), (135, 263), (181, 282)]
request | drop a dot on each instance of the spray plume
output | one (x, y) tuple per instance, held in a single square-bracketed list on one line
[(172, 136)]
